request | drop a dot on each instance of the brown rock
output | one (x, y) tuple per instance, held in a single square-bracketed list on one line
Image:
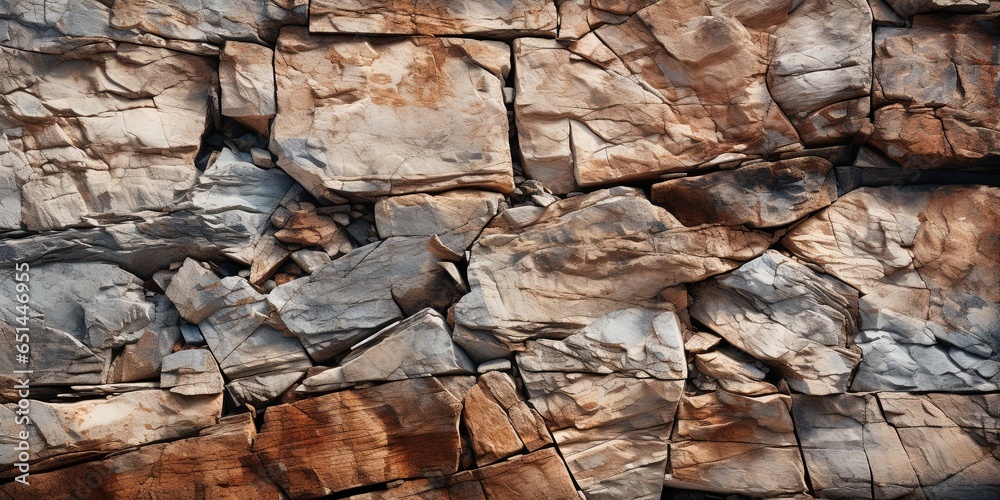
[(318, 446), (463, 17), (935, 98), (568, 266), (538, 475), (736, 444), (439, 124), (759, 195), (669, 89), (310, 229), (219, 465)]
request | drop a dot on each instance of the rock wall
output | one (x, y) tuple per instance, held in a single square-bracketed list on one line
[(601, 249)]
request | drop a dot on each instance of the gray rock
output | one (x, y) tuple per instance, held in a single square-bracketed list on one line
[(418, 346), (821, 71), (77, 314), (784, 314), (925, 325), (638, 342), (59, 26), (193, 372), (361, 292)]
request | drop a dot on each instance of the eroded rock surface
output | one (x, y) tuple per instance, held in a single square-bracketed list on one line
[(439, 124), (583, 257), (464, 17), (935, 95), (785, 314), (398, 430), (672, 88), (924, 261)]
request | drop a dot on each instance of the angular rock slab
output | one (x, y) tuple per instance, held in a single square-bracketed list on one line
[(456, 217), (438, 124), (760, 195), (77, 313), (586, 256), (195, 27), (219, 465), (612, 429), (192, 372), (67, 431), (120, 138), (348, 439), (950, 441), (821, 71), (787, 315), (907, 8), (639, 342), (418, 346), (360, 293), (736, 444), (246, 76), (922, 257), (541, 474), (670, 89), (434, 17), (608, 393), (935, 93), (499, 422), (849, 448)]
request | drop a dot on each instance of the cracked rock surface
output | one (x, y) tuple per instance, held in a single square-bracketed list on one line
[(499, 249)]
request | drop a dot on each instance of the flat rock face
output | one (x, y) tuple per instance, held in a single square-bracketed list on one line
[(785, 314), (119, 138), (609, 418), (672, 88), (433, 105), (921, 258), (434, 17), (821, 71), (850, 449), (730, 443), (217, 465), (398, 430), (456, 217), (98, 427), (935, 99), (568, 266), (933, 445), (759, 195)]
